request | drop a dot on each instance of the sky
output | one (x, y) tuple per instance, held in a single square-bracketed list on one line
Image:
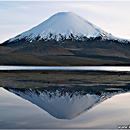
[(19, 16)]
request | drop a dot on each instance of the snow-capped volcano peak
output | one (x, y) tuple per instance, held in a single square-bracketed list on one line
[(60, 26), (68, 23)]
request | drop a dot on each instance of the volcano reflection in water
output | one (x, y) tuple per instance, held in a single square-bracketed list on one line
[(65, 102)]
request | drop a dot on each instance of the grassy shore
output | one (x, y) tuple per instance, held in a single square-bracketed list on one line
[(31, 79)]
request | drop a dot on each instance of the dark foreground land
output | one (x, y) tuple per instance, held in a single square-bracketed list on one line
[(97, 80), (65, 53)]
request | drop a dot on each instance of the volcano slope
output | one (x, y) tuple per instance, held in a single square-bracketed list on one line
[(92, 52)]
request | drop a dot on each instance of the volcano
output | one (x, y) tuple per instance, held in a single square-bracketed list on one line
[(62, 26), (65, 39)]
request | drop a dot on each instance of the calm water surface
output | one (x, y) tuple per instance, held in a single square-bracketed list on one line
[(41, 108), (94, 68)]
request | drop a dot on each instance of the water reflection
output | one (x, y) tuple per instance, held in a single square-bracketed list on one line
[(66, 102)]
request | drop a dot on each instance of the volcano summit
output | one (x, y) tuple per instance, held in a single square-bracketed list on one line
[(65, 39), (62, 26)]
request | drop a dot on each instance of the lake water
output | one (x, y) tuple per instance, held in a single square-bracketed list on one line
[(92, 68), (59, 109)]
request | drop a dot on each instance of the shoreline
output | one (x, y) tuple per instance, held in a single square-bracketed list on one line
[(45, 78)]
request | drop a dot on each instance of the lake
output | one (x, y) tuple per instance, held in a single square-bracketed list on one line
[(91, 68), (77, 101), (38, 108)]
